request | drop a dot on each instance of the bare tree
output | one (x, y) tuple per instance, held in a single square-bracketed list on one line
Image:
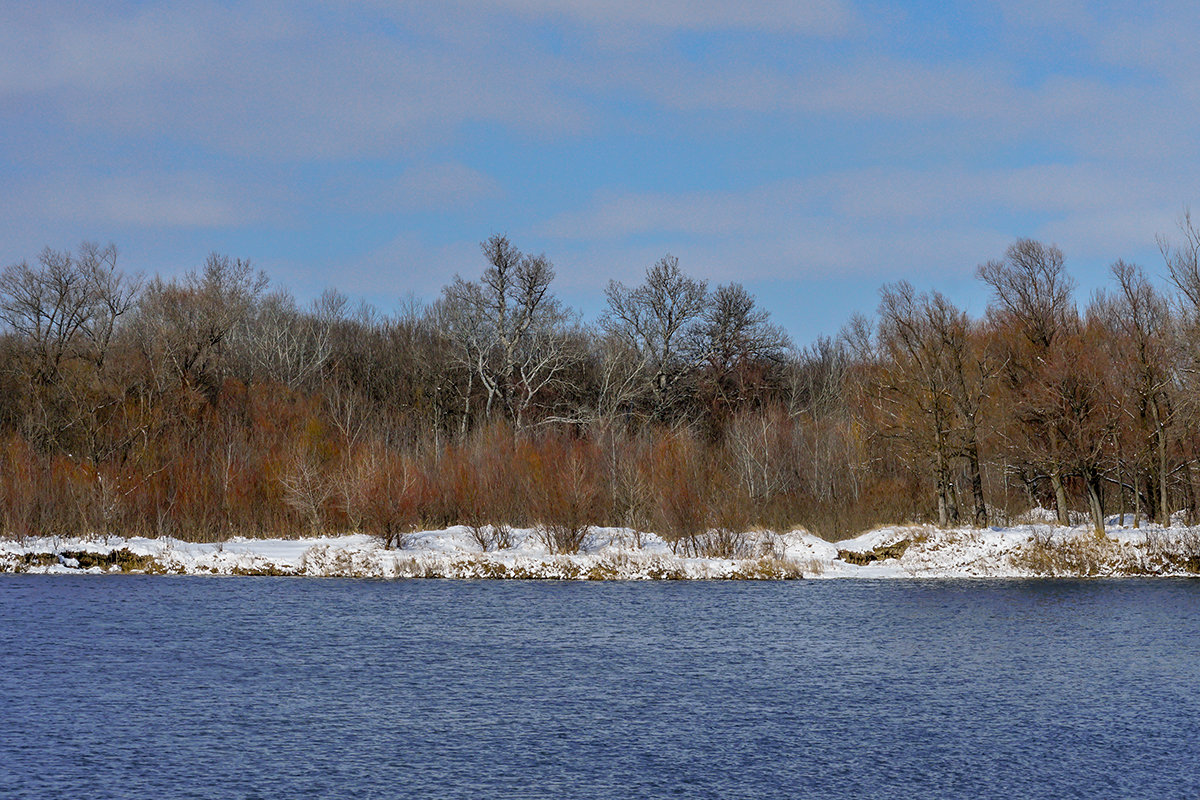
[(1032, 288), (1183, 259), (1075, 402), (307, 487), (735, 329), (738, 350), (970, 367), (919, 404), (831, 386), (183, 326), (656, 318), (66, 306), (1033, 295), (509, 327), (1183, 268), (288, 345), (1140, 336), (63, 313), (762, 448)]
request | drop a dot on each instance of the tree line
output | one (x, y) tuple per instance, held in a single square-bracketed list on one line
[(214, 404)]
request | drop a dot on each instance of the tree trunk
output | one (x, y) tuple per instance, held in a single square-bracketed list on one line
[(1060, 497), (462, 429), (1160, 436), (1095, 502), (981, 518), (1137, 498), (943, 497), (1120, 480), (1189, 485)]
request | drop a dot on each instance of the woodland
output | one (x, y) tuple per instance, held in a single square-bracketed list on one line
[(213, 405)]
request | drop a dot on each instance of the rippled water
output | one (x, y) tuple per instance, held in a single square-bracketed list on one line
[(115, 687)]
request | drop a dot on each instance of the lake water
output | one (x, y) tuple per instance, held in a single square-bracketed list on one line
[(158, 687)]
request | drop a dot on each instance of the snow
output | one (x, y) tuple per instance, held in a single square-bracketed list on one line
[(1020, 551)]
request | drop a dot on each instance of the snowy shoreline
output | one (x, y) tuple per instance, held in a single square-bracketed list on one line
[(1024, 551)]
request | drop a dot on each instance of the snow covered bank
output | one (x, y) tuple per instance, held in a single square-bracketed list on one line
[(611, 554)]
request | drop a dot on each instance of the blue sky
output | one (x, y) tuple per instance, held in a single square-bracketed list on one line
[(813, 151)]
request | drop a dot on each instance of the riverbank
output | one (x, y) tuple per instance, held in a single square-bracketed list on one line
[(1023, 551)]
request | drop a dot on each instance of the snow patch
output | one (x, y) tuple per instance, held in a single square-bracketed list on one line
[(1033, 549)]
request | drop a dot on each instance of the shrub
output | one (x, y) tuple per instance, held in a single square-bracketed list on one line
[(390, 490), (566, 492), (679, 479), (1078, 555), (490, 536)]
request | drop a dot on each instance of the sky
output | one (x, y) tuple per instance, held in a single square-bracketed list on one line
[(813, 151)]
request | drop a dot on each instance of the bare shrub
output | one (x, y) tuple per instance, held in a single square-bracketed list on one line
[(1173, 549), (306, 490), (723, 542), (771, 545), (18, 489), (727, 538), (678, 477), (390, 490), (482, 481), (491, 536), (1078, 556), (566, 492), (1041, 535), (632, 494)]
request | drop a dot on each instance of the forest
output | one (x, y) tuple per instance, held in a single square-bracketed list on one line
[(214, 405)]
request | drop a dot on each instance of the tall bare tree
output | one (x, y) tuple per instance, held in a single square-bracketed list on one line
[(917, 387), (657, 318), (1140, 337), (738, 349), (287, 344), (1032, 295), (183, 327), (64, 312), (1182, 259), (66, 306), (509, 327)]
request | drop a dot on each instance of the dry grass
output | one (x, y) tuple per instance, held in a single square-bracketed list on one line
[(1078, 555), (880, 553)]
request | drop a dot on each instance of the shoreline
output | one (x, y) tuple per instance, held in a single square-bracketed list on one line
[(894, 552)]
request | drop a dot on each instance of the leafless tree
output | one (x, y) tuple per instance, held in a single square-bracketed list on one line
[(1033, 294), (183, 326), (919, 405), (1141, 338), (62, 314), (1183, 259), (66, 306), (307, 487), (288, 345), (970, 368), (735, 329), (509, 327), (657, 318), (1183, 267), (763, 450), (1032, 287)]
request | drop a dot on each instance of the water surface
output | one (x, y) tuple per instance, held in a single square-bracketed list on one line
[(140, 687)]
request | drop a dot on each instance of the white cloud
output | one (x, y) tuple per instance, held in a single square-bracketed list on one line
[(143, 199), (438, 186), (408, 263), (883, 222), (816, 17)]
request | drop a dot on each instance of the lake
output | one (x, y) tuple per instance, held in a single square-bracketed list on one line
[(157, 687)]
